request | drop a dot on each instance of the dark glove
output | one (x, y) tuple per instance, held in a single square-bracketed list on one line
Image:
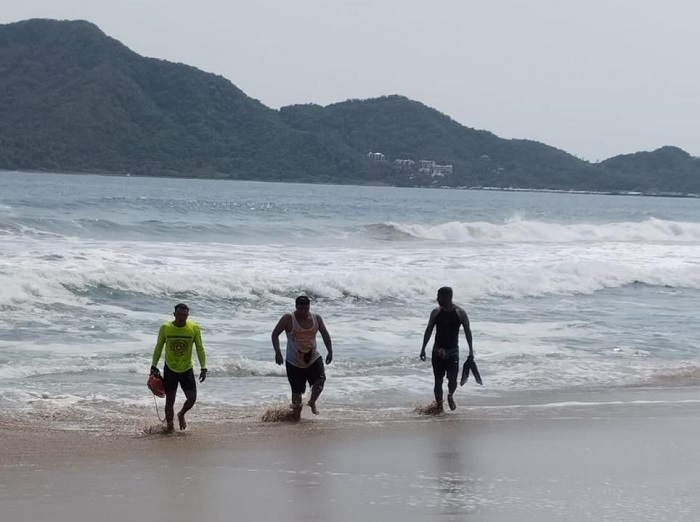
[(155, 371), (203, 375)]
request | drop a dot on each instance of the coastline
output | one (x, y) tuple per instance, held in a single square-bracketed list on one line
[(619, 454), (371, 184), (587, 192)]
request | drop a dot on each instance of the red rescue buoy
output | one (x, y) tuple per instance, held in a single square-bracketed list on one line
[(155, 384)]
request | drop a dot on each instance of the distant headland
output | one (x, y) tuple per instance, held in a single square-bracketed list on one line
[(75, 100)]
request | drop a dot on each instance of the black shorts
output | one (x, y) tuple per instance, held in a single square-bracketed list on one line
[(185, 379), (445, 362), (298, 377)]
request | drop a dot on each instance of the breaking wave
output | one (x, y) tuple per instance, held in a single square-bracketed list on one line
[(524, 231)]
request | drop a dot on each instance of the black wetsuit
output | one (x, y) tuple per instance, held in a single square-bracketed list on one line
[(445, 357)]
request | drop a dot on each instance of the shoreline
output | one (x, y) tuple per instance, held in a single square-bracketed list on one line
[(136, 420), (587, 192), (632, 456)]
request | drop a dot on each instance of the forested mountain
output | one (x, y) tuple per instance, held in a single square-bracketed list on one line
[(404, 129), (668, 169), (73, 99)]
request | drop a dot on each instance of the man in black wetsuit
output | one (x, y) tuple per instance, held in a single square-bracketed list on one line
[(447, 317)]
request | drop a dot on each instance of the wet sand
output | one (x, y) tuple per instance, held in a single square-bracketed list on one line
[(632, 455)]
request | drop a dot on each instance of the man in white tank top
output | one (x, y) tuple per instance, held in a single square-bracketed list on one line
[(304, 363)]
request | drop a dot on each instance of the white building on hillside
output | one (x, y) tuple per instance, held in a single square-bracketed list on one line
[(442, 170), (426, 166)]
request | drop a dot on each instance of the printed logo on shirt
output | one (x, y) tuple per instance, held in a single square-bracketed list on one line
[(179, 346)]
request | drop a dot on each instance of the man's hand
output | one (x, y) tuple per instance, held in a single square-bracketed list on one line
[(278, 358), (422, 354), (155, 371), (329, 358), (203, 375)]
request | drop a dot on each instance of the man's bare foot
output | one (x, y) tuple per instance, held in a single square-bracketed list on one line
[(169, 428), (296, 411), (181, 421), (451, 403), (312, 405), (438, 407)]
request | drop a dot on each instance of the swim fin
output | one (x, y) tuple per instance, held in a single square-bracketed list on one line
[(470, 366), (475, 371)]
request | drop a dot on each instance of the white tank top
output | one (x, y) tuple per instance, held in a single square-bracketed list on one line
[(301, 343)]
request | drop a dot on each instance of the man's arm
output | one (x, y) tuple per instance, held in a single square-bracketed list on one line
[(282, 325), (201, 355), (157, 351), (467, 330), (326, 338), (428, 332)]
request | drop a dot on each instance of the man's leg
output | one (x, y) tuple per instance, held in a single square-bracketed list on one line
[(296, 405), (170, 409), (439, 374), (189, 387), (170, 382), (317, 379), (452, 374), (297, 381)]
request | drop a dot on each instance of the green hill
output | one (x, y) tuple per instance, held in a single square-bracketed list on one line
[(668, 169), (404, 129), (73, 99)]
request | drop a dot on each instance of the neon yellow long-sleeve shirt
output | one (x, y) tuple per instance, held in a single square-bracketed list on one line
[(178, 341)]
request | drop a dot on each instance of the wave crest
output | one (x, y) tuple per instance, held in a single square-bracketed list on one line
[(525, 231)]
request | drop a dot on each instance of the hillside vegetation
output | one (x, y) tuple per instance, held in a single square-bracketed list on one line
[(73, 99)]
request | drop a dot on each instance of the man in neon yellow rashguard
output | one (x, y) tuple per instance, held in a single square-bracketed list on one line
[(178, 336)]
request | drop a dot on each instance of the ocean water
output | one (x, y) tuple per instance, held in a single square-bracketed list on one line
[(565, 292)]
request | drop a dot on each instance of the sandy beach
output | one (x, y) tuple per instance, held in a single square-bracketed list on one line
[(595, 456)]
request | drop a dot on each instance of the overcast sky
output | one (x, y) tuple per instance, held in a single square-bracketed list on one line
[(596, 78)]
